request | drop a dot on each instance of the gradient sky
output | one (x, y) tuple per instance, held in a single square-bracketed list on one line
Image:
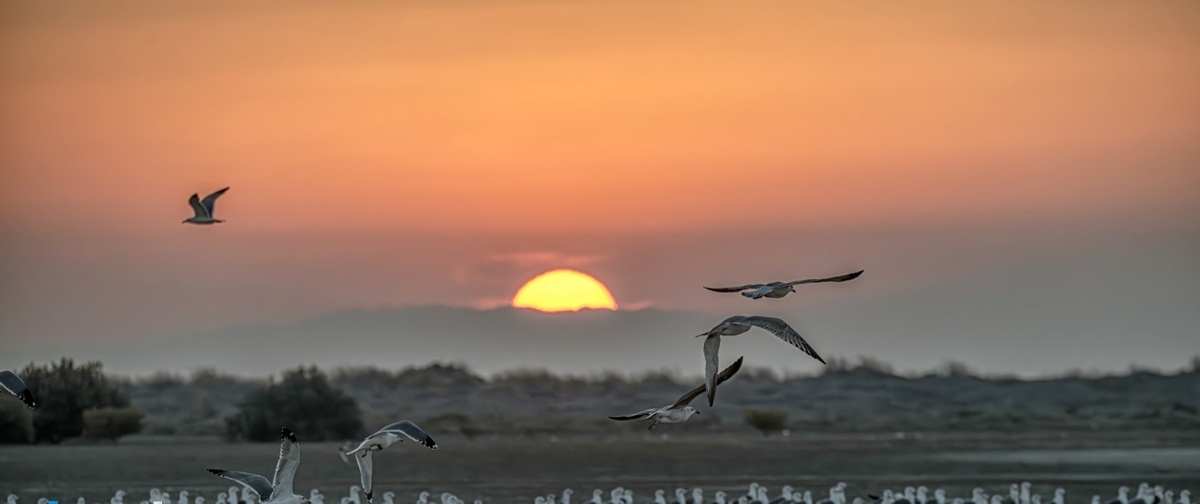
[(441, 153)]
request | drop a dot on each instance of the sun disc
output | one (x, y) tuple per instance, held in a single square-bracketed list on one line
[(564, 290)]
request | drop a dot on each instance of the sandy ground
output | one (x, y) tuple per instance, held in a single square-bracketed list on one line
[(516, 470)]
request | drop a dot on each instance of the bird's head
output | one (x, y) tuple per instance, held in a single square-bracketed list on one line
[(691, 411)]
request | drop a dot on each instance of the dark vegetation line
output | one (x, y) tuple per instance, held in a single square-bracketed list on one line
[(81, 402)]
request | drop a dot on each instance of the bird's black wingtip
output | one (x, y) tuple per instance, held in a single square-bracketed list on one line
[(216, 471), (287, 434), (28, 399)]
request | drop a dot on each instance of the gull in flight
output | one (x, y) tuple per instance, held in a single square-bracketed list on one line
[(739, 324), (204, 208), (680, 411), (279, 490), (346, 446), (383, 439), (11, 383), (780, 289)]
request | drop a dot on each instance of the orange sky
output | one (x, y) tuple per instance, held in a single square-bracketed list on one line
[(598, 115), (400, 153)]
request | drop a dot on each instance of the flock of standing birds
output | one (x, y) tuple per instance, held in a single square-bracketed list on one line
[(279, 489)]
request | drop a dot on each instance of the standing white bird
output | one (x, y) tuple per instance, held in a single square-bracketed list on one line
[(204, 208), (384, 438), (11, 383), (680, 411), (781, 289), (739, 324), (279, 489)]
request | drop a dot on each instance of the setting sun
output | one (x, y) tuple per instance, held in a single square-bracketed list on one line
[(564, 290)]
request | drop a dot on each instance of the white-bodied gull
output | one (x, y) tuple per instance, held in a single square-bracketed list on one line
[(279, 489), (739, 324), (11, 383), (680, 411), (780, 289), (384, 438), (204, 208)]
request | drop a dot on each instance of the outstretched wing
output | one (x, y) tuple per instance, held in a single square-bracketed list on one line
[(725, 374), (784, 331), (711, 344), (16, 386), (364, 471), (211, 200), (254, 482), (289, 460), (641, 415), (839, 278), (198, 208), (734, 289), (411, 431)]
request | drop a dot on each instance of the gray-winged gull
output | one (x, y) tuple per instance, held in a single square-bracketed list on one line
[(204, 208), (13, 384), (781, 289), (279, 489), (384, 438), (680, 411), (739, 324)]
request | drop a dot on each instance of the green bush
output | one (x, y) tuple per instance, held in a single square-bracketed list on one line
[(111, 423), (303, 401), (16, 422), (65, 391), (766, 420)]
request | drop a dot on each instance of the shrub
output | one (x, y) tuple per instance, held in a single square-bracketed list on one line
[(111, 423), (766, 420), (303, 401), (16, 422), (65, 391)]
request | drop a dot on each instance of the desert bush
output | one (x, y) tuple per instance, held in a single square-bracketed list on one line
[(65, 391), (209, 378), (304, 401), (111, 423), (766, 420), (954, 368), (16, 422)]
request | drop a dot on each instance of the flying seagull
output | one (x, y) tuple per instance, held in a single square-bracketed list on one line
[(780, 289), (346, 446), (680, 411), (11, 383), (383, 439), (204, 208), (279, 490), (739, 324)]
